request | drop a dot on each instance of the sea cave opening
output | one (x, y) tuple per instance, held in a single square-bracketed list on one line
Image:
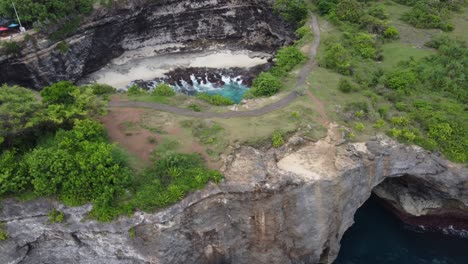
[(382, 234)]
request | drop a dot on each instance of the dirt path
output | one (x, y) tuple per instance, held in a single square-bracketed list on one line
[(301, 81)]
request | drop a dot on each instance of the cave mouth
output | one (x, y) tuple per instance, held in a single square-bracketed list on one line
[(379, 236), (383, 232)]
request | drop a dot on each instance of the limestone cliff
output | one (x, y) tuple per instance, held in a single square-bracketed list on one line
[(287, 205), (193, 24)]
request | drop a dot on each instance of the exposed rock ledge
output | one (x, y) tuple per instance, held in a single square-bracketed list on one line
[(288, 205), (148, 24)]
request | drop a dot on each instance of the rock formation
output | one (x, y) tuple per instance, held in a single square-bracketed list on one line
[(287, 205), (196, 25)]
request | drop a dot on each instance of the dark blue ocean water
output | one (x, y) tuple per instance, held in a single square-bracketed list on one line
[(378, 237)]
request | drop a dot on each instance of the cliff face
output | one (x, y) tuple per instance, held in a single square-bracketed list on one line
[(235, 24), (287, 205)]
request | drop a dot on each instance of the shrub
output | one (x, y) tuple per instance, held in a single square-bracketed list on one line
[(325, 6), (345, 86), (401, 80), (3, 232), (59, 93), (295, 11), (56, 216), (135, 90), (78, 166), (13, 174), (379, 124), (401, 121), (132, 232), (164, 90), (11, 47), (215, 99), (337, 58), (63, 47), (286, 59), (195, 107), (101, 89), (363, 45), (359, 126), (277, 140), (171, 178), (303, 31), (265, 85), (391, 33), (378, 11), (373, 24), (349, 10)]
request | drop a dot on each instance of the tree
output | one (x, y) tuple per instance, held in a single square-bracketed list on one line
[(391, 33), (59, 93), (77, 165), (349, 10), (338, 59), (19, 111), (44, 10), (164, 90), (292, 10), (265, 85)]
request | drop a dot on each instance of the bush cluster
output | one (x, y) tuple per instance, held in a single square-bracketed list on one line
[(266, 84), (164, 90), (295, 11), (215, 99), (73, 161), (170, 179)]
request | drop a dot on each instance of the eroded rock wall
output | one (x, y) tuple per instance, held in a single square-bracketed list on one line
[(287, 205), (192, 24)]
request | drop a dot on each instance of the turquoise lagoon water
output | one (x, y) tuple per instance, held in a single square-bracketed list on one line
[(378, 237), (233, 88), (233, 91)]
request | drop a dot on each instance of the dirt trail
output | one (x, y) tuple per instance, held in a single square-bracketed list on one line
[(301, 81)]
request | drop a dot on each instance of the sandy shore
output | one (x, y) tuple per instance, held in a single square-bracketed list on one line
[(146, 64)]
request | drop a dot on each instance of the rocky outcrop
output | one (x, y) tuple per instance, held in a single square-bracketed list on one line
[(188, 25), (287, 205)]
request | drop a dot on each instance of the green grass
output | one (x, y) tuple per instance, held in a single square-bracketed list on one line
[(396, 51), (460, 20)]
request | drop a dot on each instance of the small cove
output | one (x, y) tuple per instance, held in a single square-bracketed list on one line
[(151, 66)]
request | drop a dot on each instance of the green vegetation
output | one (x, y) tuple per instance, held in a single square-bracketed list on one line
[(164, 90), (170, 179), (195, 107), (56, 216), (3, 232), (11, 47), (63, 47), (215, 99), (266, 84), (345, 86), (52, 147), (46, 10), (391, 33), (431, 14), (418, 100), (286, 59), (132, 232), (295, 11), (135, 90), (277, 140), (101, 89)]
